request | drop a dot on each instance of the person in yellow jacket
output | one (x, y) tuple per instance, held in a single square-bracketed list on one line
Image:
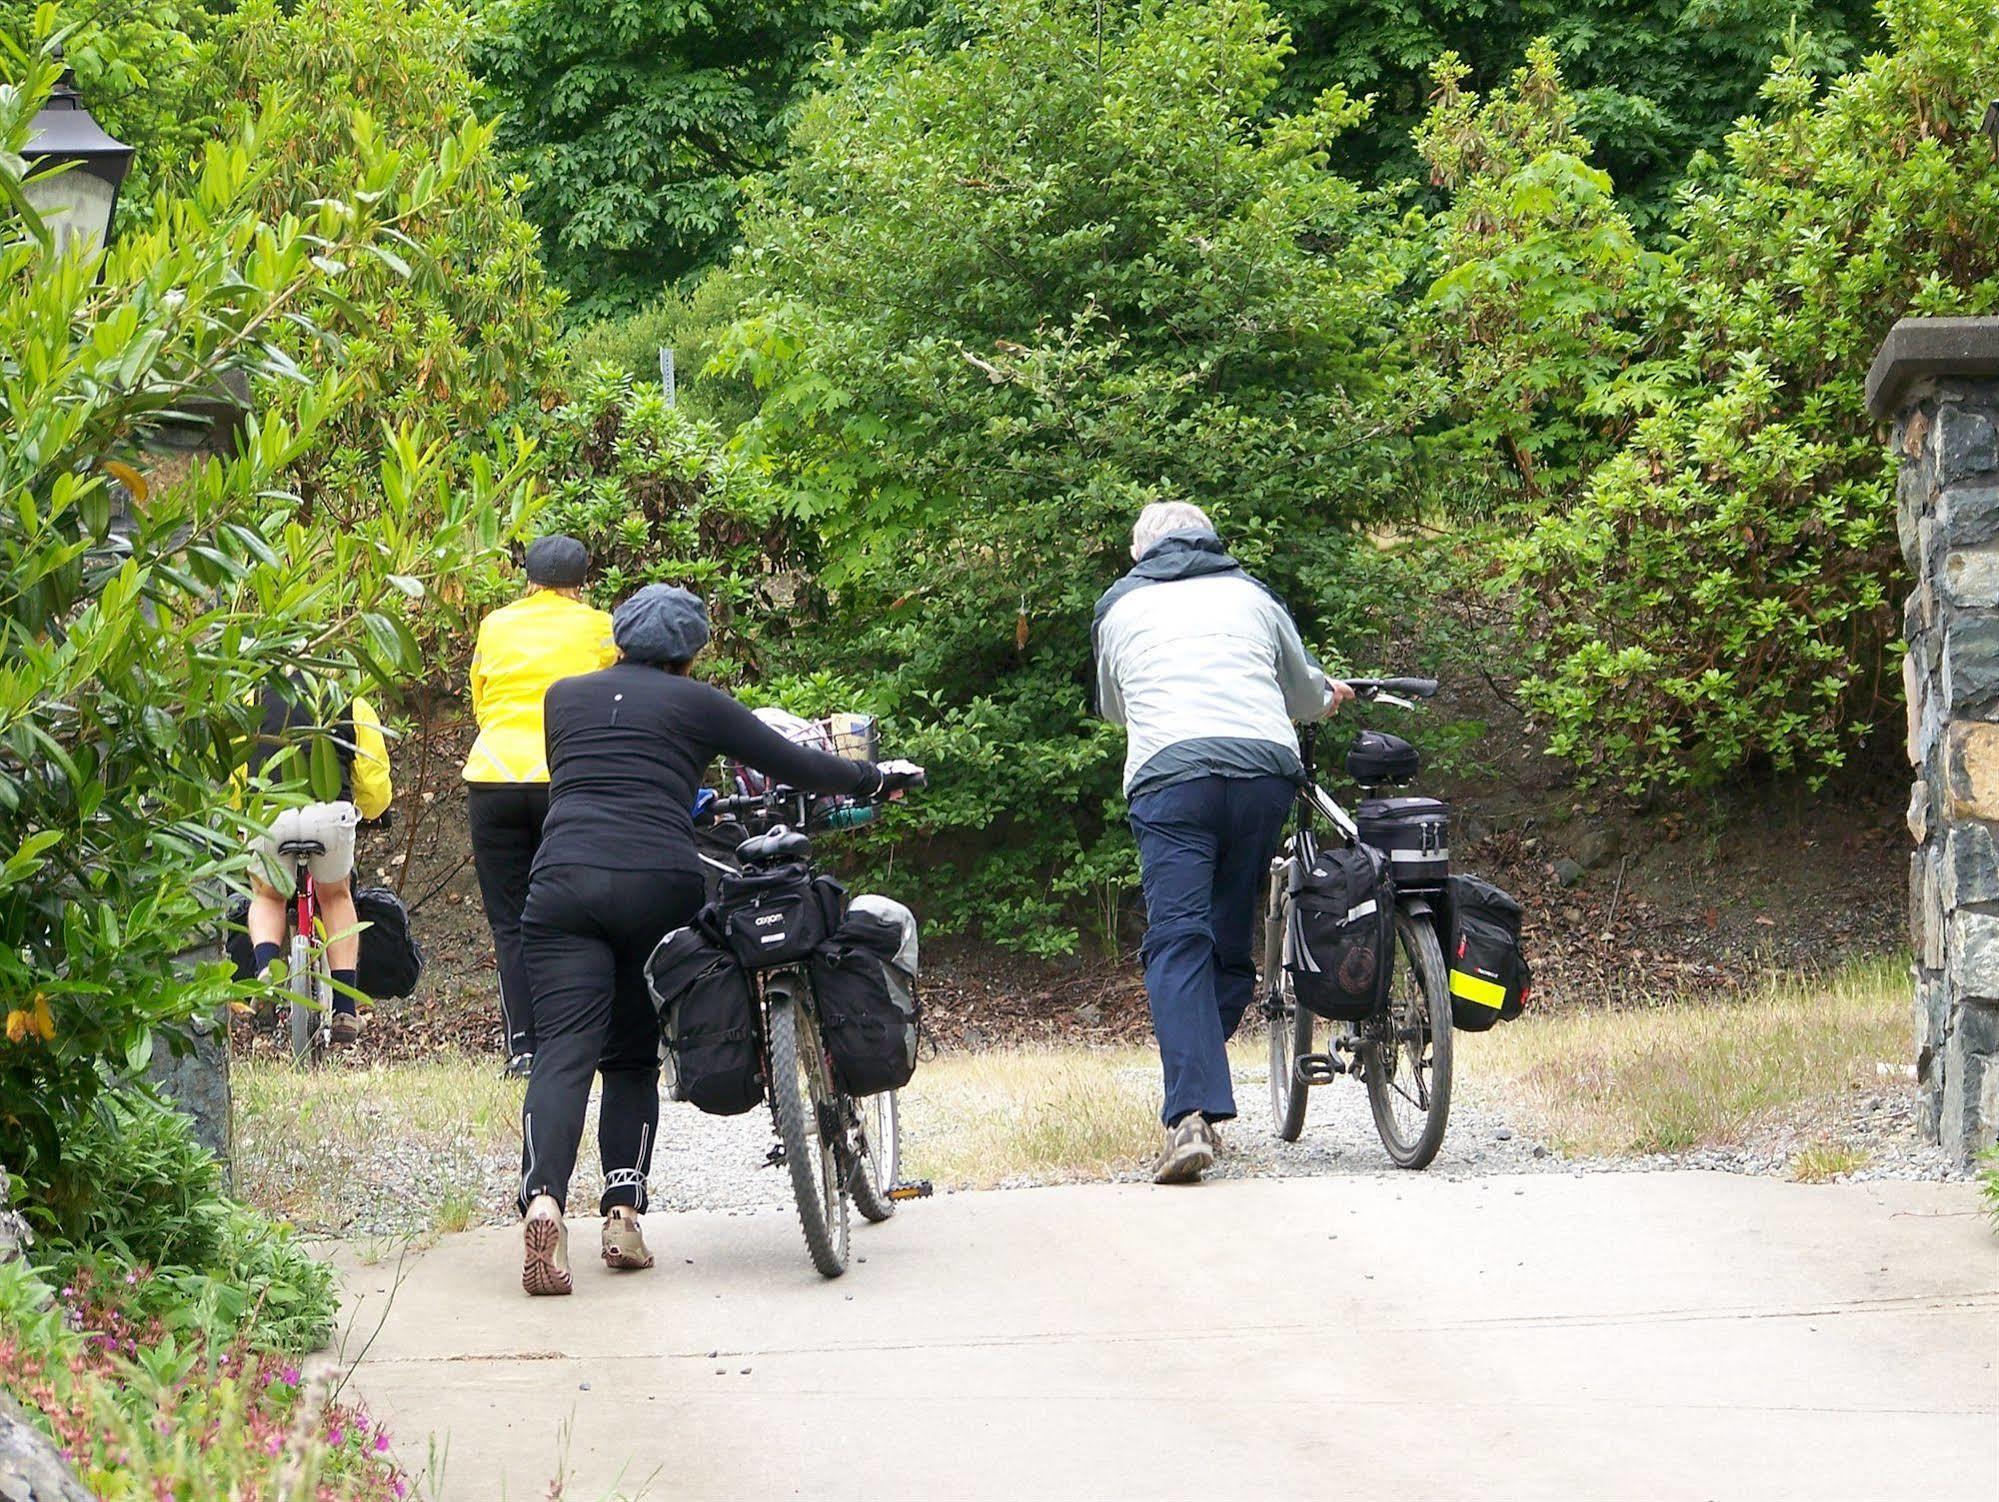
[(523, 648), (291, 721)]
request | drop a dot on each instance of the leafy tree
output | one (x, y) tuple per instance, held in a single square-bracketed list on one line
[(1656, 81), (636, 122), (445, 329), (1539, 281), (1721, 596), (133, 655), (145, 70), (997, 299)]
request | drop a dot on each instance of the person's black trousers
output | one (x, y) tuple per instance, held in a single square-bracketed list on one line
[(506, 820), (588, 933)]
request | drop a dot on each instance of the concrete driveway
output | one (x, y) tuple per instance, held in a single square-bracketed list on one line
[(1604, 1335)]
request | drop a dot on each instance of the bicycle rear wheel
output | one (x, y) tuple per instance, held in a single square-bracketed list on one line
[(1407, 1055), (878, 1161), (807, 1108), (303, 983)]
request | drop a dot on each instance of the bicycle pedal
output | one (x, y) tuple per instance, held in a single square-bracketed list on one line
[(1318, 1068), (917, 1189), (775, 1157)]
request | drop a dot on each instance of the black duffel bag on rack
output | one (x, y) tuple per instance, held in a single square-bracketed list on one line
[(864, 985), (708, 1023), (1340, 951), (1490, 976), (391, 960), (775, 917)]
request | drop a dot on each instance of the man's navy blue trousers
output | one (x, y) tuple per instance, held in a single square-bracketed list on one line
[(1203, 848)]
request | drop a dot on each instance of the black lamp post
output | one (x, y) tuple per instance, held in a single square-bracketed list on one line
[(75, 170)]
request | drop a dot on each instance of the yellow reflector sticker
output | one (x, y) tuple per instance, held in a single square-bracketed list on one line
[(1477, 988)]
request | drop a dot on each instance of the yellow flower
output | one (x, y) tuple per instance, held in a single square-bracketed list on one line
[(35, 1021)]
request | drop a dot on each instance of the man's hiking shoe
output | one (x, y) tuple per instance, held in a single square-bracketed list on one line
[(545, 1266), (624, 1243), (520, 1066), (346, 1029), (1190, 1151)]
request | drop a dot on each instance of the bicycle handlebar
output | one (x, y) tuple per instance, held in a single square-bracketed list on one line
[(1415, 688)]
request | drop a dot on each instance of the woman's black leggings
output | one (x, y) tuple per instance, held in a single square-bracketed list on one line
[(506, 820), (588, 934)]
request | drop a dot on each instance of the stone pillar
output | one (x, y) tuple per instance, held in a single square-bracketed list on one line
[(1936, 380)]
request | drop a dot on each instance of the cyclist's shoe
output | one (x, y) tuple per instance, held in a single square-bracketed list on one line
[(1190, 1151), (545, 1267), (346, 1029), (624, 1242), (520, 1066)]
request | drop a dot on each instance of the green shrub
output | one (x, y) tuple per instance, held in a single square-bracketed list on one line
[(1000, 297), (133, 659), (141, 1211), (1723, 594), (1538, 281)]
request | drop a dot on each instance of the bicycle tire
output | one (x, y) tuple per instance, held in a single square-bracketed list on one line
[(878, 1166), (799, 1087), (1290, 1028), (303, 1016), (1416, 937)]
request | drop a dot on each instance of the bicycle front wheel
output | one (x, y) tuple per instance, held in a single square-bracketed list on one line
[(877, 1155), (1407, 1053), (807, 1108)]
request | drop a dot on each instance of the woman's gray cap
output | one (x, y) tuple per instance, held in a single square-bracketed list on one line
[(661, 623), (557, 562)]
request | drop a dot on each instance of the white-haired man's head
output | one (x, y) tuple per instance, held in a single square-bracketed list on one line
[(1162, 519)]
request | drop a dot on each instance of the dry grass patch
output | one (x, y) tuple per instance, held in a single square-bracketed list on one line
[(1684, 1074), (1823, 1162), (313, 1146), (975, 1121)]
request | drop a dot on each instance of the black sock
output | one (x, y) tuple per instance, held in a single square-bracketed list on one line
[(265, 954), (342, 1002)]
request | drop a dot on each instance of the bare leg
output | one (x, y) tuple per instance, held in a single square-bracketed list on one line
[(267, 913), (336, 909)]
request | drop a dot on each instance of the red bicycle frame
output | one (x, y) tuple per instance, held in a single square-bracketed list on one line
[(305, 910)]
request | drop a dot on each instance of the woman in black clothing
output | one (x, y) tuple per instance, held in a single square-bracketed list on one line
[(617, 870)]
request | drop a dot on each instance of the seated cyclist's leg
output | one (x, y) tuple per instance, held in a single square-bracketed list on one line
[(332, 825)]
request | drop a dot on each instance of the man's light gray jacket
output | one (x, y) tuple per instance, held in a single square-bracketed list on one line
[(1204, 667)]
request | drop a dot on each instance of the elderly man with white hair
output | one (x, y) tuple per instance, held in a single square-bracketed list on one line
[(1203, 666)]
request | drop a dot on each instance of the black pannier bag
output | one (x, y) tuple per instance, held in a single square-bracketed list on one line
[(391, 961), (1378, 759), (708, 1023), (1415, 835), (776, 917), (1490, 976), (1340, 950), (864, 983)]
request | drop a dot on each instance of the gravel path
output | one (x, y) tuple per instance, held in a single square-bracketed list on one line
[(719, 1163)]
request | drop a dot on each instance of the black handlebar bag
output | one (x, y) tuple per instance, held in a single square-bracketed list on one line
[(775, 917), (708, 1023), (1490, 976), (1340, 947)]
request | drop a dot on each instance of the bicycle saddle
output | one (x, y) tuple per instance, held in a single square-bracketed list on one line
[(301, 847), (781, 844)]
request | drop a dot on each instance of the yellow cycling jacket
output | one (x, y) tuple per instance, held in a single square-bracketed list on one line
[(373, 792), (523, 648)]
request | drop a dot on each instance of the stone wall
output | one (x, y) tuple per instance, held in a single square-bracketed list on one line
[(1945, 414)]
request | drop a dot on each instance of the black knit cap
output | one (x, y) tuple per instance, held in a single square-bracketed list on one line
[(557, 562)]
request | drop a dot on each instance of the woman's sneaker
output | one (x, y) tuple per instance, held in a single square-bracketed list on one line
[(545, 1267), (624, 1242), (1190, 1151)]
